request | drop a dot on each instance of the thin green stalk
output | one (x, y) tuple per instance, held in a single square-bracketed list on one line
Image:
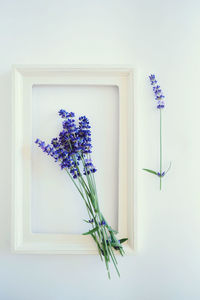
[(160, 149), (94, 218), (75, 184), (80, 177), (87, 175), (100, 234), (98, 245), (113, 260), (112, 255), (88, 206), (111, 250)]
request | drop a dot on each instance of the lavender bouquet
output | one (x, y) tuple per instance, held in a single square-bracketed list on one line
[(72, 150), (159, 97)]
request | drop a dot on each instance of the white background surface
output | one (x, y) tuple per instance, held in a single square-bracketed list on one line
[(154, 36)]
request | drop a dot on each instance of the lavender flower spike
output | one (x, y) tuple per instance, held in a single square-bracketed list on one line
[(157, 92), (160, 105)]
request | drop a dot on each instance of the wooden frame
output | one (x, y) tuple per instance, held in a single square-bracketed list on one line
[(24, 77)]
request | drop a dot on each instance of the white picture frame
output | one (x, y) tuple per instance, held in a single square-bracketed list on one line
[(24, 77)]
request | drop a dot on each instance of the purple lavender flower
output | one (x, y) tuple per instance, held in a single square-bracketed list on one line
[(152, 79), (65, 114), (161, 104), (72, 145), (84, 135), (161, 175), (89, 167), (157, 91), (102, 223)]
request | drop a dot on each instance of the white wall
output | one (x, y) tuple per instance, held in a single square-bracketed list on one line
[(154, 36)]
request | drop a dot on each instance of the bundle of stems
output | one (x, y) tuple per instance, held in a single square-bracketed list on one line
[(103, 234), (72, 150)]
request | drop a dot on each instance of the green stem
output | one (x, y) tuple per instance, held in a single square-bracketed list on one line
[(160, 148), (78, 190)]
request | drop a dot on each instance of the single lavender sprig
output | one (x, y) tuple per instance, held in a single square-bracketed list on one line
[(160, 105), (72, 150)]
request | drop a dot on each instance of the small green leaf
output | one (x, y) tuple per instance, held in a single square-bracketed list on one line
[(91, 231), (150, 171), (86, 221), (123, 240)]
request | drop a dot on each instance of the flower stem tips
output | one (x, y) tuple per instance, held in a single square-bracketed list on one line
[(160, 105), (72, 150)]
